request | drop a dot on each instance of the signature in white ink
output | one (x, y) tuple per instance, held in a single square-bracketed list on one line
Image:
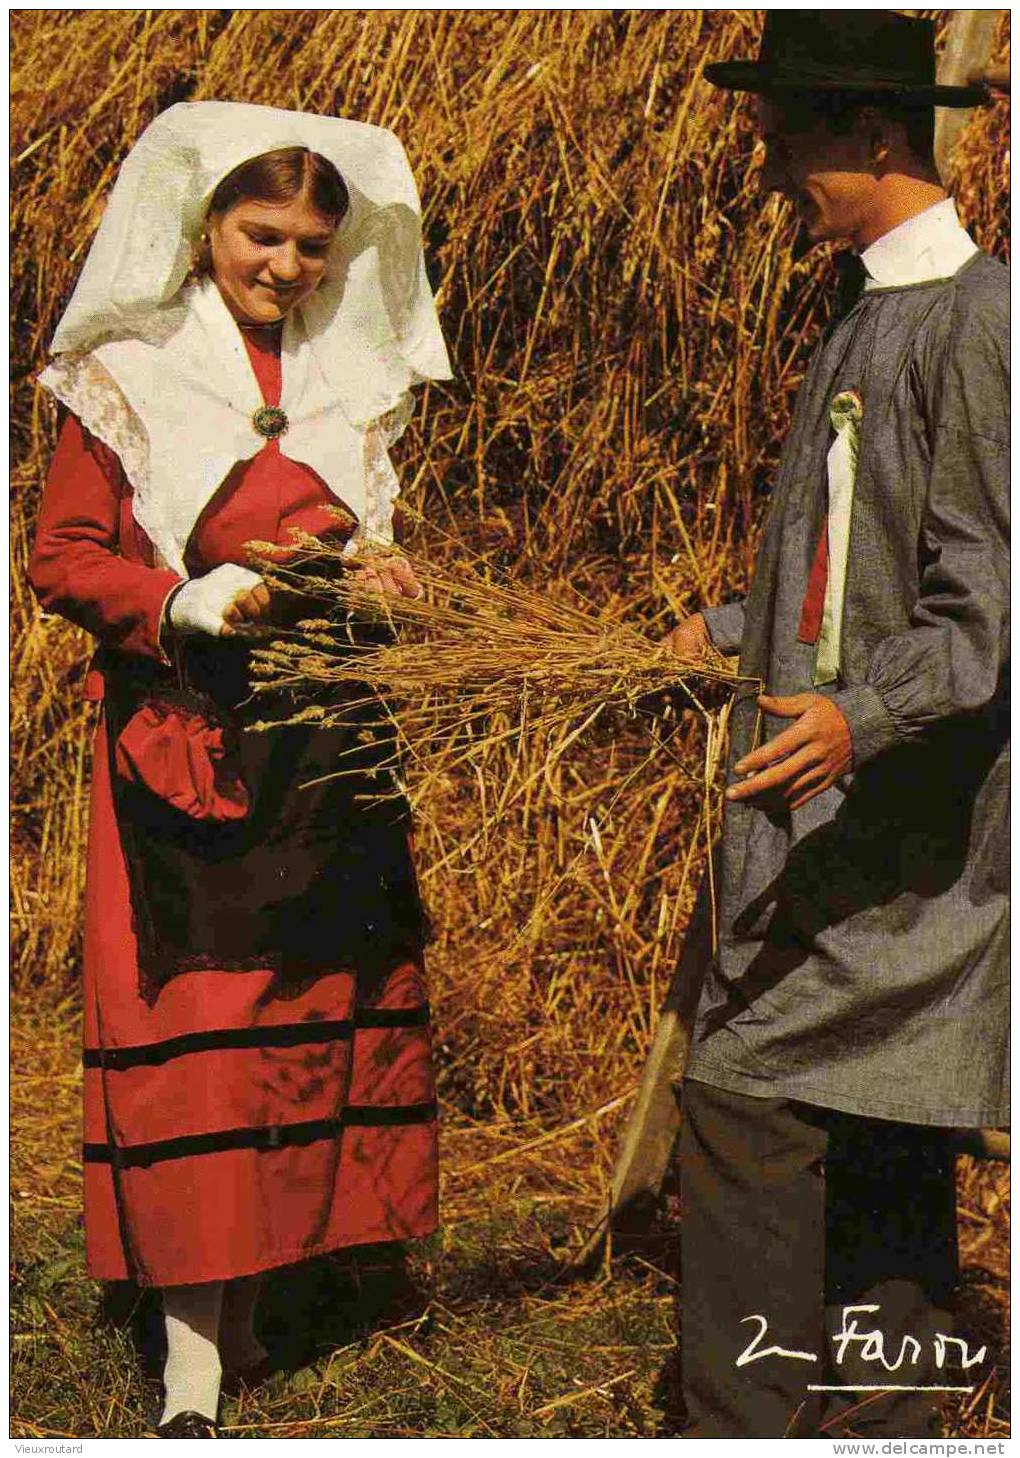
[(754, 1353), (870, 1345)]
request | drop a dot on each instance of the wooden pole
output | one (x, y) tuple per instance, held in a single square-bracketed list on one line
[(996, 78), (654, 1122), (655, 1119), (964, 60)]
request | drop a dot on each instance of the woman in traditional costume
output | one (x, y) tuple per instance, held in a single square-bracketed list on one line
[(258, 1080)]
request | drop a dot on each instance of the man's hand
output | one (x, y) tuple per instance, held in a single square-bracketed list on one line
[(690, 640), (803, 760), (394, 575)]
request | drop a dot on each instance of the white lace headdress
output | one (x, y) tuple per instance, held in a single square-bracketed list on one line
[(156, 368)]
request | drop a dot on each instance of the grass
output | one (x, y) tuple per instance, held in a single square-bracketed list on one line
[(483, 1331), (629, 324)]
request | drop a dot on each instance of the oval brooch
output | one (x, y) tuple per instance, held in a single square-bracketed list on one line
[(270, 421)]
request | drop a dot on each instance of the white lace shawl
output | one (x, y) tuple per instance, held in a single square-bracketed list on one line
[(177, 413)]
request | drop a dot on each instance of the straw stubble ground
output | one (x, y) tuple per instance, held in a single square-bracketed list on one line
[(628, 325)]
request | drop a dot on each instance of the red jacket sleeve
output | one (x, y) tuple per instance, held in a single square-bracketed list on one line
[(89, 559)]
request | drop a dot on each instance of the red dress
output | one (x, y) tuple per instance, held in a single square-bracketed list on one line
[(228, 1129)]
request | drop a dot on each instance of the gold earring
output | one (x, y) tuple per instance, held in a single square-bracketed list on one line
[(201, 259)]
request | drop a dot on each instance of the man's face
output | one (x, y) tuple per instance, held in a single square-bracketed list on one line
[(827, 175)]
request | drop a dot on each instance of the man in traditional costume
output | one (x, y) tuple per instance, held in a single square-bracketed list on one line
[(856, 1008)]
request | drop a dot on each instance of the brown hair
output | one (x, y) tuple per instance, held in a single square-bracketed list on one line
[(279, 176), (839, 111)]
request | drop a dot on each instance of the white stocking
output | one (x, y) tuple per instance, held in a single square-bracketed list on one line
[(239, 1346), (191, 1377)]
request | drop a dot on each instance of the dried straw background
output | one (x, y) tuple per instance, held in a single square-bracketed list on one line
[(628, 324)]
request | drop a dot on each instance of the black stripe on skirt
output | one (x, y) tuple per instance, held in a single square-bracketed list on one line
[(282, 1035), (273, 1136)]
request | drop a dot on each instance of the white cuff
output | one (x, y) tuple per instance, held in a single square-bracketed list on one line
[(201, 603)]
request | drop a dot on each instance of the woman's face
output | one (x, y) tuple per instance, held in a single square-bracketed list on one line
[(267, 257)]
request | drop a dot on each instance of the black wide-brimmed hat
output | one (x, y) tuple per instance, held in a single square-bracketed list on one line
[(862, 51)]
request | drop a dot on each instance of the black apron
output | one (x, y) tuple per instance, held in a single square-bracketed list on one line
[(316, 878)]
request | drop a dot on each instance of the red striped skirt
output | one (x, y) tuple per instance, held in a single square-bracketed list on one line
[(232, 1127)]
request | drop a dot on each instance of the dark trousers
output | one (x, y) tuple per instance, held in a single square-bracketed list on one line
[(790, 1215)]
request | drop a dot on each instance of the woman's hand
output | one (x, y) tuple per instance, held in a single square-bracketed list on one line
[(690, 640), (393, 575), (220, 602), (247, 607)]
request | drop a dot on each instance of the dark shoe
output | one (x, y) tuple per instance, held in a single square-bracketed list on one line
[(188, 1425), (236, 1379)]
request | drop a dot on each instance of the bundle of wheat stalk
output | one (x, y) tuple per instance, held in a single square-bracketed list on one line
[(485, 676), (474, 660)]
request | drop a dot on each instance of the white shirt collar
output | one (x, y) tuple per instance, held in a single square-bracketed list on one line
[(927, 246)]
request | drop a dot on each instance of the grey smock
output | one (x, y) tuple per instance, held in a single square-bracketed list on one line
[(862, 962)]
